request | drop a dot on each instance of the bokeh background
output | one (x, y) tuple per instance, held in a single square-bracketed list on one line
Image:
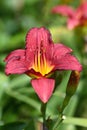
[(18, 102)]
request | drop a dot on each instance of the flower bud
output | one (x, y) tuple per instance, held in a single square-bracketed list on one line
[(71, 88)]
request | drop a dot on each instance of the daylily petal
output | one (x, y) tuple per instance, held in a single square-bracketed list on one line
[(82, 9), (81, 13), (36, 39), (72, 23), (67, 62), (60, 50), (64, 10), (16, 53), (43, 87), (15, 62)]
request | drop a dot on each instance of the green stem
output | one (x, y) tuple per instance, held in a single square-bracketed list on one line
[(58, 122), (43, 110)]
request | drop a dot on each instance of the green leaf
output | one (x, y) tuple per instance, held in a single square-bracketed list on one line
[(67, 127), (58, 95), (23, 98), (76, 121), (19, 81), (3, 83), (31, 125), (13, 126), (31, 1), (66, 121)]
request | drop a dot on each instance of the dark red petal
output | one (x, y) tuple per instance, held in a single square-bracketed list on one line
[(67, 62), (60, 50), (37, 39), (64, 10), (43, 87), (15, 62)]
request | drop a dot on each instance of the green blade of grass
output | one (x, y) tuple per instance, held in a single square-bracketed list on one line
[(76, 121)]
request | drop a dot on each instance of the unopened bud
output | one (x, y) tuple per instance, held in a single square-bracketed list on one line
[(73, 83), (71, 88)]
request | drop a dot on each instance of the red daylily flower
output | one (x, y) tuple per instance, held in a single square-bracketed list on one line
[(39, 59), (76, 17)]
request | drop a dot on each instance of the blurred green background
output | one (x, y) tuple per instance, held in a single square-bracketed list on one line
[(18, 102)]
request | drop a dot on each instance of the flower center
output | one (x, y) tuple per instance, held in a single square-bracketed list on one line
[(41, 64)]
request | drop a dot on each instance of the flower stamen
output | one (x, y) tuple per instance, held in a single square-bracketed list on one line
[(41, 64)]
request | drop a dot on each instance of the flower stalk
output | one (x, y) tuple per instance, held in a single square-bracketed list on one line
[(43, 110), (70, 90), (58, 121)]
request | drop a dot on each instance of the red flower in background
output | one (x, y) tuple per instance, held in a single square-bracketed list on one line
[(39, 59), (76, 17)]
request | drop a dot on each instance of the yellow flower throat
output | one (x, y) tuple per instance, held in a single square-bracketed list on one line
[(41, 64)]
